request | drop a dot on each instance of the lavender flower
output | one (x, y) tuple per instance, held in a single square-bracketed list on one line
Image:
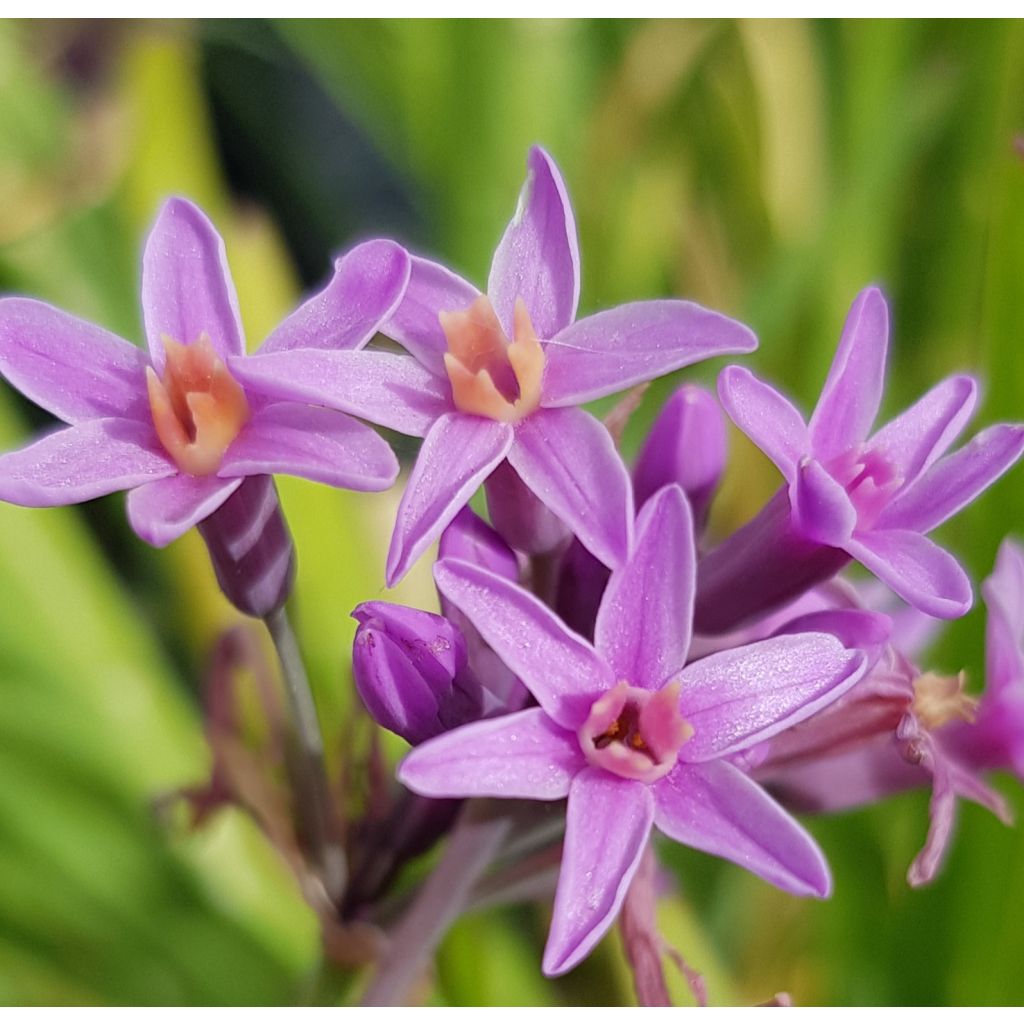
[(176, 428), (496, 381), (849, 495), (629, 735)]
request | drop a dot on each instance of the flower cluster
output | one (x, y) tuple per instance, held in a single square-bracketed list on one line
[(595, 645)]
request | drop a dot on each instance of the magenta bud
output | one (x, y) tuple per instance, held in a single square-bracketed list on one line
[(686, 446), (251, 548), (411, 671), (521, 518)]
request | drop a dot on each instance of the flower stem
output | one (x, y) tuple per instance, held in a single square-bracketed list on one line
[(478, 836), (306, 762)]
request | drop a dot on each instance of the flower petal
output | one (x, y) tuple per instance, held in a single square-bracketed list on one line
[(607, 824), (736, 698), (918, 436), (853, 390), (955, 481), (916, 568), (1004, 632), (367, 286), (388, 389), (646, 616), (767, 417), (523, 755), (162, 511), (71, 368), (568, 459), (636, 342), (538, 257), (186, 285), (714, 807), (415, 325), (822, 510), (318, 444), (457, 454), (558, 667), (82, 462)]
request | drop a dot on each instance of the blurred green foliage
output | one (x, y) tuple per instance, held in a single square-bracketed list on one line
[(767, 169)]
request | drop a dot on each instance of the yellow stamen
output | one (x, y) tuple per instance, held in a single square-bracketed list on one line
[(938, 700)]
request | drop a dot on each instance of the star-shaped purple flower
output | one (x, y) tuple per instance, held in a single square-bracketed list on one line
[(850, 493), (629, 735), (175, 427), (499, 376)]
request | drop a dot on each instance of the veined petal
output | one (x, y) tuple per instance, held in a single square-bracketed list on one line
[(162, 511), (524, 755), (186, 285), (558, 667), (365, 290), (736, 698), (767, 417), (822, 510), (71, 368), (383, 387), (538, 257), (920, 435), (81, 462), (568, 459), (318, 444), (457, 454), (1004, 632), (607, 825), (853, 390), (920, 572), (432, 290), (646, 616), (714, 807), (955, 481), (636, 342)]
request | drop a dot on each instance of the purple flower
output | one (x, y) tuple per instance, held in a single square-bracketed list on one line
[(497, 379), (850, 493), (629, 735), (176, 428)]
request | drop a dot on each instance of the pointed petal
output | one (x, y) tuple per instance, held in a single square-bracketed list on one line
[(318, 444), (391, 390), (81, 462), (736, 698), (767, 417), (186, 285), (558, 667), (920, 435), (916, 568), (636, 342), (646, 616), (822, 510), (568, 459), (523, 755), (538, 257), (607, 824), (955, 481), (367, 286), (714, 807), (1004, 632), (71, 368), (432, 290), (457, 454), (162, 511), (853, 391)]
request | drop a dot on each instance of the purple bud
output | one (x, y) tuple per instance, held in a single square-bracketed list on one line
[(520, 516), (411, 671), (251, 549), (686, 446), (471, 539), (581, 584)]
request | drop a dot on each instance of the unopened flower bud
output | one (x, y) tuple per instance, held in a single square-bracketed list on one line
[(521, 518)]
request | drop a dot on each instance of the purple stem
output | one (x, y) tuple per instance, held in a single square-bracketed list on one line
[(763, 565)]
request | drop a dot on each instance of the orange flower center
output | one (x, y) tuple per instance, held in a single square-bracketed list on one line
[(939, 700), (490, 375), (198, 407)]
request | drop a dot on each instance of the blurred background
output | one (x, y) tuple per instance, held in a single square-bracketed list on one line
[(769, 170)]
